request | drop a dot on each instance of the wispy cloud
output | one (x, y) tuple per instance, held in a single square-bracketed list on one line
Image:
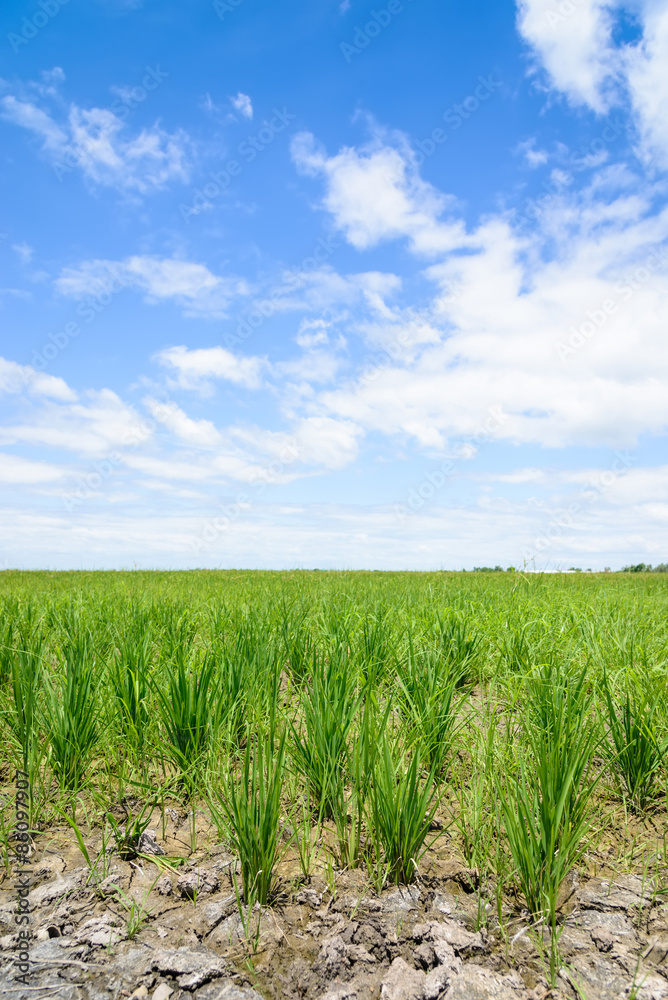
[(98, 143), (192, 286)]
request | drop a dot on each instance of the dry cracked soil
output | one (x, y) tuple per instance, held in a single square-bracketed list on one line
[(145, 930)]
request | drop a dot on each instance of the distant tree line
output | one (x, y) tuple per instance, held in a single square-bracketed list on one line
[(645, 568)]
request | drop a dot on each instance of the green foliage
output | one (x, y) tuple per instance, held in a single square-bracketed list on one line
[(390, 688), (127, 834), (319, 752), (401, 807), (189, 709), (26, 679), (430, 700), (634, 749), (71, 711), (131, 677), (545, 800), (252, 805)]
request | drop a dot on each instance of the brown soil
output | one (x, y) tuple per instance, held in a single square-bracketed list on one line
[(330, 936)]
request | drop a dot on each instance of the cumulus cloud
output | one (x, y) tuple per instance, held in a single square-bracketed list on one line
[(318, 443), (559, 326), (376, 194), (575, 44)]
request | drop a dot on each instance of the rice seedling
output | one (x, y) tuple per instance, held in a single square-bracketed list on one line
[(252, 806), (473, 789), (401, 807), (299, 646), (7, 634), (306, 836), (545, 800), (516, 649), (127, 834), (431, 701), (351, 784), (130, 677), (375, 648), (26, 679), (137, 911), (71, 712), (635, 751), (458, 643), (189, 711), (329, 707)]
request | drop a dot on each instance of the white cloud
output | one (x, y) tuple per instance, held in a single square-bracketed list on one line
[(96, 142), (333, 535), (376, 194), (92, 429), (15, 378), (312, 333), (327, 443), (243, 104), (326, 289), (577, 50), (318, 443), (169, 469), (15, 471), (29, 116), (500, 340), (647, 73), (201, 433), (196, 368), (574, 46), (193, 286)]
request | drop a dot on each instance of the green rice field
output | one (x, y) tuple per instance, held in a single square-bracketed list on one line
[(320, 723)]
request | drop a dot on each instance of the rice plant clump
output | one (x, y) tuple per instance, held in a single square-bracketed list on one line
[(252, 805), (545, 800), (402, 803)]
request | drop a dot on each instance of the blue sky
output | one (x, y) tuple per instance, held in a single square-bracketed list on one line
[(333, 284)]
